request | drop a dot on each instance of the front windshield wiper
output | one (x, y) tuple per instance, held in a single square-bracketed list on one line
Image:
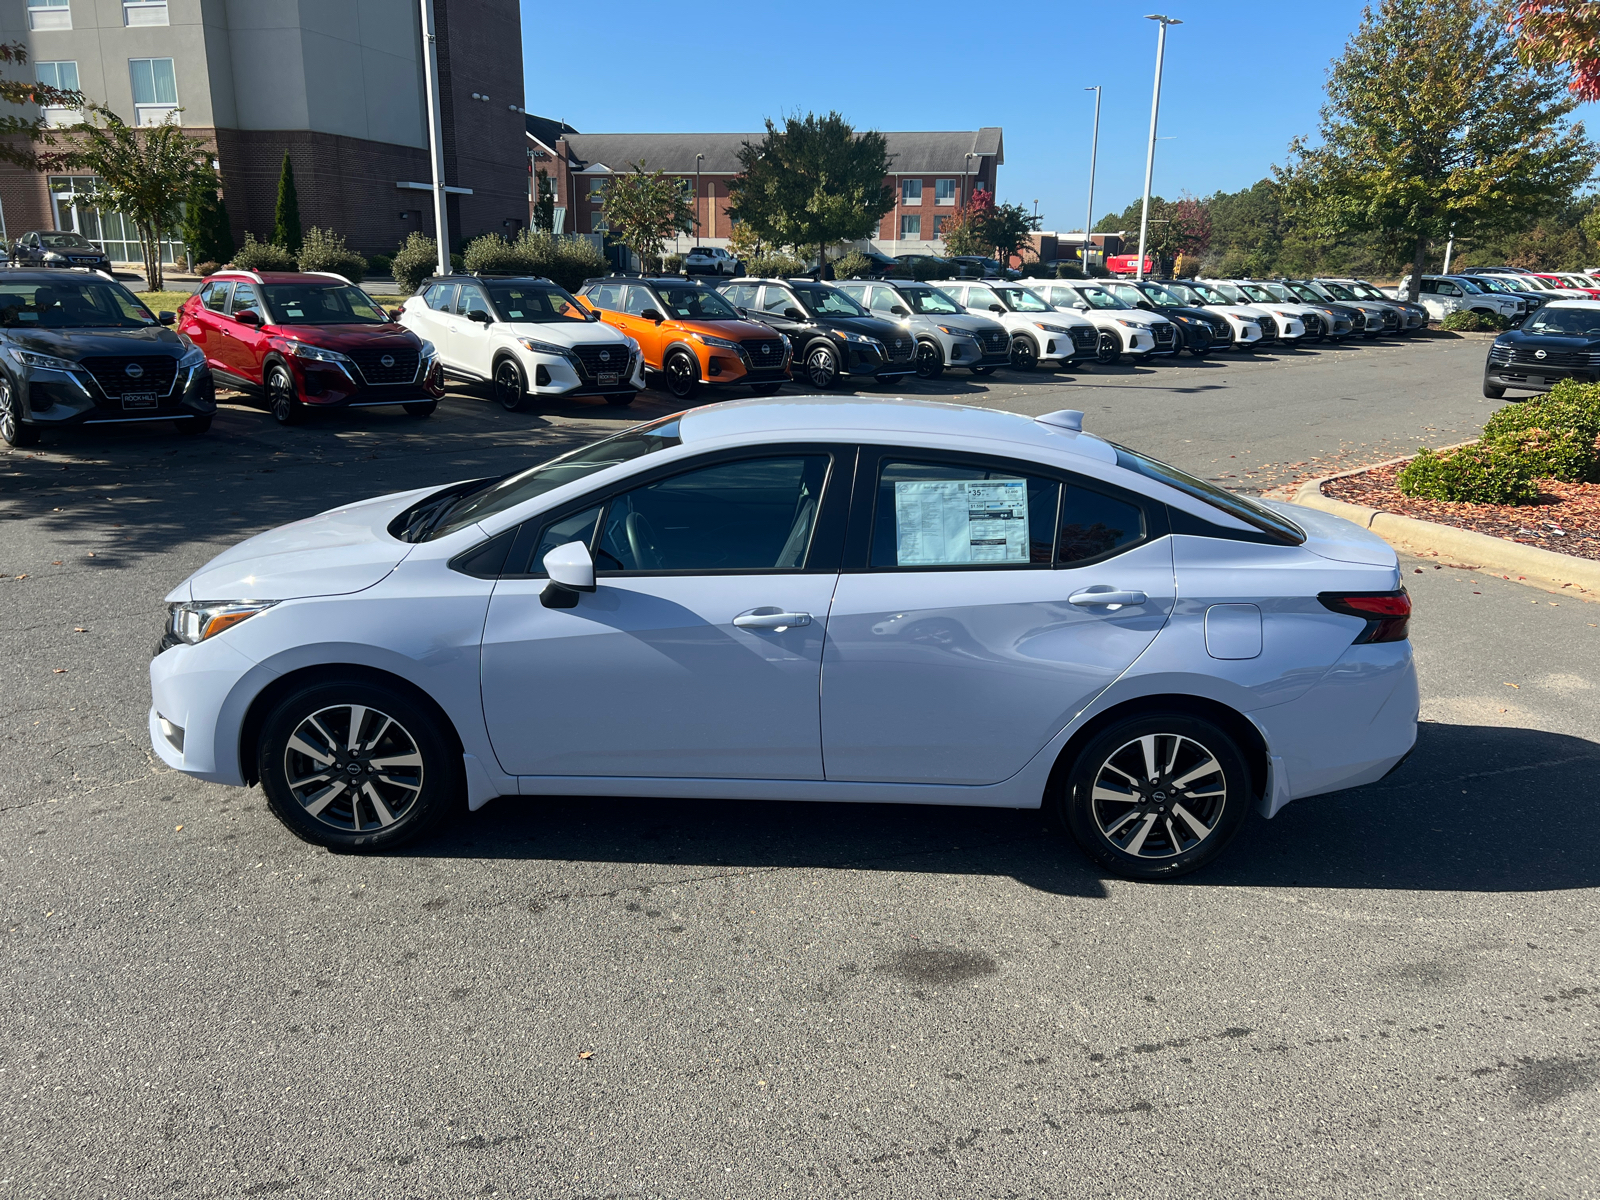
[(423, 517)]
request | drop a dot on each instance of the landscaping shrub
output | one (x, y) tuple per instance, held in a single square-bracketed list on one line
[(1492, 472), (925, 267), (324, 250), (263, 256), (673, 264), (854, 265), (491, 254), (779, 266), (1063, 271), (379, 264), (1467, 321), (417, 258), (207, 268), (1556, 431)]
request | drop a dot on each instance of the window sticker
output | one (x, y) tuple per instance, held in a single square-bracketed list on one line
[(293, 312), (961, 521), (514, 313)]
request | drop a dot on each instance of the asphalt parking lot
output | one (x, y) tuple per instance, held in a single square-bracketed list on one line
[(1381, 993)]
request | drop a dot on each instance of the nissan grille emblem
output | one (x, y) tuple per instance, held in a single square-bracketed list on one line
[(135, 371), (605, 356), (1536, 354), (387, 360)]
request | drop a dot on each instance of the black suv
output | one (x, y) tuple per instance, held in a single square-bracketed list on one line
[(1560, 341), (831, 334), (80, 349), (53, 248), (1201, 329)]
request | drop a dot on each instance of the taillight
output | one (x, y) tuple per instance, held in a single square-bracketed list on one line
[(1387, 614)]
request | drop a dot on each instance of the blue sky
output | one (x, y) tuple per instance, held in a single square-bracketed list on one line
[(1240, 81)]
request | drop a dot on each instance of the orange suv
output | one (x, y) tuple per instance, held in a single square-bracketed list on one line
[(690, 335)]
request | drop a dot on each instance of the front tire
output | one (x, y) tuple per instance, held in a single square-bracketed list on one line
[(822, 366), (930, 361), (357, 766), (1494, 393), (1024, 354), (1107, 350), (13, 432), (510, 393), (282, 399), (683, 374), (1156, 796)]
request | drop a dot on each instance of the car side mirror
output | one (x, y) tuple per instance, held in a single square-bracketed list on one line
[(794, 314), (396, 313), (247, 316), (479, 317), (999, 308), (653, 314), (571, 571), (166, 318), (900, 310)]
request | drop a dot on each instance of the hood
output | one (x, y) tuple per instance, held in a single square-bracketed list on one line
[(572, 333), (85, 343), (1242, 311), (1205, 316), (1555, 341), (873, 327), (347, 337), (970, 321), (735, 331), (334, 553), (1331, 537)]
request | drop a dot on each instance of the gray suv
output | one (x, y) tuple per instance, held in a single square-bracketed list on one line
[(947, 334)]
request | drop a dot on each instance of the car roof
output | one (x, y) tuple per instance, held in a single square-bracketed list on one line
[(237, 273), (49, 274), (463, 277), (1571, 304), (863, 419), (791, 279)]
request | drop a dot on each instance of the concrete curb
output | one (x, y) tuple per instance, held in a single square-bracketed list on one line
[(1542, 568)]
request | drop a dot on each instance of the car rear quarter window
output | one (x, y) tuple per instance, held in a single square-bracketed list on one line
[(1094, 525), (215, 296), (607, 296)]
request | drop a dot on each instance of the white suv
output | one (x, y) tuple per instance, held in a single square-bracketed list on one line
[(1442, 295), (1039, 333), (1313, 319), (1251, 326), (1136, 332), (526, 337), (710, 260), (947, 335), (1287, 324)]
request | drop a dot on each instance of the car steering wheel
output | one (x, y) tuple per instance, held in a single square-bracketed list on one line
[(642, 542)]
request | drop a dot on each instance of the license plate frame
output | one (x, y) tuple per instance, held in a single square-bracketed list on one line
[(610, 378), (134, 401)]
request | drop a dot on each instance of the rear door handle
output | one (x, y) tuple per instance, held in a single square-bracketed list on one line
[(771, 618), (1106, 597)]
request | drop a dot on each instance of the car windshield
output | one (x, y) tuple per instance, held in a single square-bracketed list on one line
[(1584, 281), (71, 305), (316, 304), (75, 241), (824, 301), (538, 303), (930, 302), (546, 477), (1209, 293), (1491, 285), (1235, 505), (686, 302), (1339, 292), (1183, 294), (1099, 298), (1365, 291), (1019, 299), (1302, 291), (1254, 291), (1566, 322)]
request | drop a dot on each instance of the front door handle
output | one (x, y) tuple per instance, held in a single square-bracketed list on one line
[(771, 618), (1108, 598)]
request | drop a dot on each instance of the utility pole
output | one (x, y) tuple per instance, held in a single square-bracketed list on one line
[(1094, 153), (697, 159), (430, 75), (1150, 156)]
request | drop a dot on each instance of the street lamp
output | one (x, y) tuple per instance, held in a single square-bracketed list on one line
[(430, 78), (966, 179), (697, 159), (1094, 151), (1150, 157)]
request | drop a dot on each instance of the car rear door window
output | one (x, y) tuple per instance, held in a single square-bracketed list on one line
[(749, 515), (963, 514), (1094, 525), (741, 295), (440, 297), (777, 299), (637, 300), (607, 296)]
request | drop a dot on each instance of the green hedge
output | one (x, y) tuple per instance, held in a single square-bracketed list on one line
[(263, 256), (779, 266), (1467, 321), (324, 250), (1548, 437), (854, 265), (416, 259), (563, 260)]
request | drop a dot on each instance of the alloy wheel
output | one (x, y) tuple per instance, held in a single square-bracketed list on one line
[(683, 376), (280, 395), (1107, 350), (508, 385), (12, 431), (930, 361), (1024, 356), (1159, 795), (353, 768), (822, 368)]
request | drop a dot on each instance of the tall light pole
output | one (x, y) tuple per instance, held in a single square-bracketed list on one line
[(1094, 153), (697, 159), (966, 179), (1150, 157), (430, 78)]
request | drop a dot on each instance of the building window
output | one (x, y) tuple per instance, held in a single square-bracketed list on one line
[(938, 226), (911, 228), (944, 191), (64, 77), (155, 89), (49, 14), (144, 12), (597, 191), (911, 191), (71, 199)]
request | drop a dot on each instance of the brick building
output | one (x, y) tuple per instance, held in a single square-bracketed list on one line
[(335, 84), (930, 176)]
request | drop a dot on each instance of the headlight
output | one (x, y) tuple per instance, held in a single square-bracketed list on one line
[(860, 338), (52, 256), (706, 339), (954, 332), (313, 353), (194, 622), (1131, 324), (42, 362), (544, 348), (193, 359), (428, 349), (633, 344), (1055, 328), (1180, 317)]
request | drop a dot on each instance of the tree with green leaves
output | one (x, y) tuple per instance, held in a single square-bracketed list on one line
[(286, 228), (140, 173), (814, 182), (1007, 230), (1433, 124), (17, 134), (643, 209), (206, 229), (544, 202)]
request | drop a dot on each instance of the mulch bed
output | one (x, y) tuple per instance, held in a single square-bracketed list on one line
[(1565, 519)]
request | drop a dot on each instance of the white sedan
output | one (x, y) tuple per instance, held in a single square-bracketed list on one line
[(802, 599)]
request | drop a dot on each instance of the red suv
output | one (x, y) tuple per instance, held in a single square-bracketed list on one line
[(305, 341)]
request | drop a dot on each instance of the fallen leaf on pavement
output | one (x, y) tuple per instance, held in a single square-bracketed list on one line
[(57, 563), (58, 670), (585, 1053), (1518, 686), (177, 829), (79, 629)]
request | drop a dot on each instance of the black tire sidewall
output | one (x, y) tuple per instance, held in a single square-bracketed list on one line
[(1072, 810), (442, 784), (292, 416), (685, 386), (522, 389), (815, 351)]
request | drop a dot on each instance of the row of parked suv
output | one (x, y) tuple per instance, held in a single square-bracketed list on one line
[(84, 350)]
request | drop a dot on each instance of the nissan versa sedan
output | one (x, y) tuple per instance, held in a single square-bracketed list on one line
[(802, 599)]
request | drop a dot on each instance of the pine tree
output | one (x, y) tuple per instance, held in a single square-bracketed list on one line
[(286, 230), (206, 230), (222, 231)]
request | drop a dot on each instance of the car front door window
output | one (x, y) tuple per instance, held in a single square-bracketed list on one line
[(711, 602)]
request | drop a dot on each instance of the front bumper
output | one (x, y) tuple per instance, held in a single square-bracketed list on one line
[(558, 375), (866, 360), (58, 399), (329, 385), (1528, 378)]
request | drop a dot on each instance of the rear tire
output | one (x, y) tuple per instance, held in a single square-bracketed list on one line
[(408, 773), (1187, 794)]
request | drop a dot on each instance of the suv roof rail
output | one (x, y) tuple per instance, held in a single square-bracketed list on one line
[(241, 271), (330, 275)]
